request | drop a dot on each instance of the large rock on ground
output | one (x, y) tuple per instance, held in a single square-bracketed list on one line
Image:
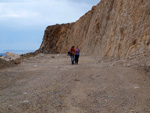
[(12, 56)]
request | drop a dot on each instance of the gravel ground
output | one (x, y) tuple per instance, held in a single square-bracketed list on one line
[(50, 84)]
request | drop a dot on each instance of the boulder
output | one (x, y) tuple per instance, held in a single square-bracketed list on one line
[(12, 56)]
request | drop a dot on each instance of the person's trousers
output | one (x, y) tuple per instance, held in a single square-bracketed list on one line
[(72, 59), (76, 59)]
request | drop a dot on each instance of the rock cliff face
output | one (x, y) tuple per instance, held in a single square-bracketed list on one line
[(55, 37), (113, 28)]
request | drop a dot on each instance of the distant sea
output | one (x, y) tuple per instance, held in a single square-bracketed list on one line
[(20, 52), (2, 54)]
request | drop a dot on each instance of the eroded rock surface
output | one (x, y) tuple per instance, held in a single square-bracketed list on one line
[(113, 28)]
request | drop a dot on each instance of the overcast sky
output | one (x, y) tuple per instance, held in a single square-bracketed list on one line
[(22, 22)]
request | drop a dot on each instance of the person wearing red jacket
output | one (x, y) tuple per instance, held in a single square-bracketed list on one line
[(72, 50)]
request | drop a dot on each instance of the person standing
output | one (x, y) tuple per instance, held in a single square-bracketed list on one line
[(77, 51), (72, 54)]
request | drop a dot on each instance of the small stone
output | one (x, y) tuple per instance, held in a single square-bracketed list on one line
[(76, 80), (132, 110), (25, 93), (56, 67), (35, 66), (17, 61), (128, 65), (52, 56), (136, 87), (26, 101), (110, 96)]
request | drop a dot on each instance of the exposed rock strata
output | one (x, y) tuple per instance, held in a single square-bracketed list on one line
[(55, 37), (113, 28)]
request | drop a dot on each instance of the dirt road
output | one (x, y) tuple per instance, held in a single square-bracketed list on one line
[(44, 84)]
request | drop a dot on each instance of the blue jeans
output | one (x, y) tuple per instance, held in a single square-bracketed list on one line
[(72, 59)]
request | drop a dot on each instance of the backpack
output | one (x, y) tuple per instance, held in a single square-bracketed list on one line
[(69, 53)]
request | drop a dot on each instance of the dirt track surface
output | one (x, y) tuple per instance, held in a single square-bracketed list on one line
[(43, 84)]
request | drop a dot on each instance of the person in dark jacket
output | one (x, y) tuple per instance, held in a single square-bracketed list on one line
[(77, 51)]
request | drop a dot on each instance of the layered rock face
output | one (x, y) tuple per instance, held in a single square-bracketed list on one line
[(113, 28), (55, 37)]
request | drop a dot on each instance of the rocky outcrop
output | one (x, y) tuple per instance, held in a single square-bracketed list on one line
[(113, 28), (55, 37), (11, 56), (10, 60)]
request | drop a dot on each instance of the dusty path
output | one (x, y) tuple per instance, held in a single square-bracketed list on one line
[(51, 85)]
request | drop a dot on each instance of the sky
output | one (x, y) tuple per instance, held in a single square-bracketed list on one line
[(22, 22)]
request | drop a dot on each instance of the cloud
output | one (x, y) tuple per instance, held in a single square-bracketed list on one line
[(15, 10), (17, 0), (18, 14), (46, 11)]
